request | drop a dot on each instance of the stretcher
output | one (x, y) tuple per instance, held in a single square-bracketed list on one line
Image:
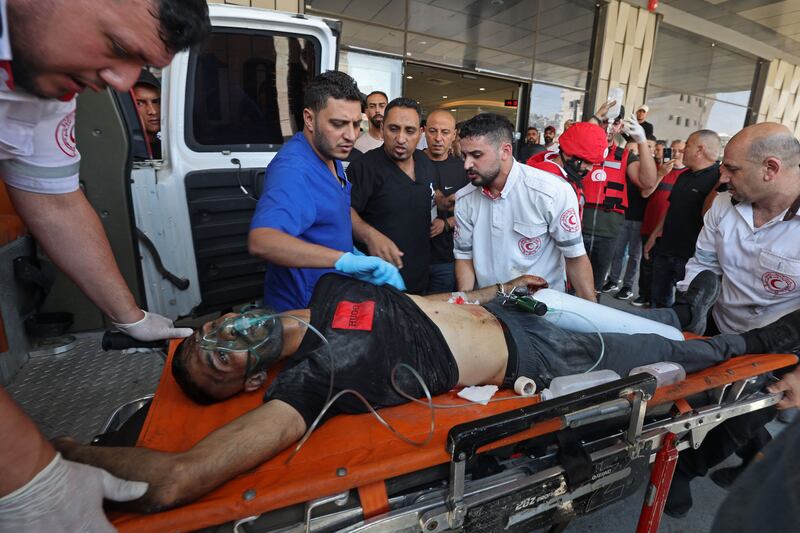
[(516, 465)]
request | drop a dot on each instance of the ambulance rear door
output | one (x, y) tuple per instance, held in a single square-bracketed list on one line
[(227, 107)]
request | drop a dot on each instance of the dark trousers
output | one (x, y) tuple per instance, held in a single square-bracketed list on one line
[(667, 271), (645, 274), (601, 253), (442, 278)]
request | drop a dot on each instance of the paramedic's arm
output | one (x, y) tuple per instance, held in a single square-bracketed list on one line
[(70, 232), (377, 243), (279, 218), (579, 274), (23, 450), (462, 246), (465, 275), (487, 294), (285, 250), (40, 491), (179, 478)]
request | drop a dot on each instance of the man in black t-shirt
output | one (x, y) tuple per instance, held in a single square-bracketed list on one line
[(440, 131), (672, 242), (391, 203)]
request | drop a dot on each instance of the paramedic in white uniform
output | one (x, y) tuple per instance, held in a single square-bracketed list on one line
[(49, 51), (514, 219), (751, 233)]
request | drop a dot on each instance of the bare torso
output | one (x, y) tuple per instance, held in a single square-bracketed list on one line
[(475, 338)]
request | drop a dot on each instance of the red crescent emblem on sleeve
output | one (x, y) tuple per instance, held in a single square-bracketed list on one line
[(65, 135), (570, 221)]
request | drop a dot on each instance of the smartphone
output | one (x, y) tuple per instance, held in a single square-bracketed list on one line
[(667, 154)]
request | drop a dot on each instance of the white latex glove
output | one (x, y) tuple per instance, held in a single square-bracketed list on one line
[(153, 327), (65, 497), (634, 130)]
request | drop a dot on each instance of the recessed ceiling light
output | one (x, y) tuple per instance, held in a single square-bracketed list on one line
[(423, 42), (408, 53), (445, 96), (482, 89)]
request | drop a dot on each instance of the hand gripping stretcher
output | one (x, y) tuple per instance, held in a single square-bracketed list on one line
[(516, 465)]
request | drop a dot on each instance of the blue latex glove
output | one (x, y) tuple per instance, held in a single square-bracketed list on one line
[(356, 251), (370, 269)]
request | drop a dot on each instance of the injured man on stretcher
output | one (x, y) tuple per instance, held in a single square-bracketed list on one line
[(372, 336)]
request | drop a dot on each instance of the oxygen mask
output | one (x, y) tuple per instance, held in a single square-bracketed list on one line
[(258, 332)]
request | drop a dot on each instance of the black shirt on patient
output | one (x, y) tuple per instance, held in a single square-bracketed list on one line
[(370, 330)]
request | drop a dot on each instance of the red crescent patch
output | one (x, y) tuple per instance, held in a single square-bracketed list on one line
[(529, 246), (570, 221), (598, 175), (777, 283), (65, 135)]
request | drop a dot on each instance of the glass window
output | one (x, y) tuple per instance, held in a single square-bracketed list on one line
[(373, 73), (248, 90), (552, 106), (716, 83)]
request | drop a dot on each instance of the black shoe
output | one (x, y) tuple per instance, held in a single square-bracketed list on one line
[(679, 499), (640, 301), (701, 295), (725, 477), (609, 286), (782, 336), (624, 294)]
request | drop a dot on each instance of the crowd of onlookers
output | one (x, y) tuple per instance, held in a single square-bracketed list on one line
[(659, 228)]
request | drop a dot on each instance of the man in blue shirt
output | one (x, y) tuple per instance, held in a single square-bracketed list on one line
[(302, 221)]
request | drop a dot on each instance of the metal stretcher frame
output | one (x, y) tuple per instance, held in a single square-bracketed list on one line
[(355, 452)]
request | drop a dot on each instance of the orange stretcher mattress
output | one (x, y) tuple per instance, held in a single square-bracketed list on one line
[(357, 443)]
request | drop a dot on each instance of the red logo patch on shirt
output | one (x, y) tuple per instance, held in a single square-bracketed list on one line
[(777, 283), (354, 315), (569, 220), (65, 135), (529, 246)]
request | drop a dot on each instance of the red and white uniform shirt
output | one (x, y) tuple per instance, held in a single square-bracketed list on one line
[(529, 229), (37, 136), (760, 267)]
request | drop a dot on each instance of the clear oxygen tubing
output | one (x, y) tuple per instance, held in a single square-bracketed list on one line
[(553, 310), (597, 330)]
